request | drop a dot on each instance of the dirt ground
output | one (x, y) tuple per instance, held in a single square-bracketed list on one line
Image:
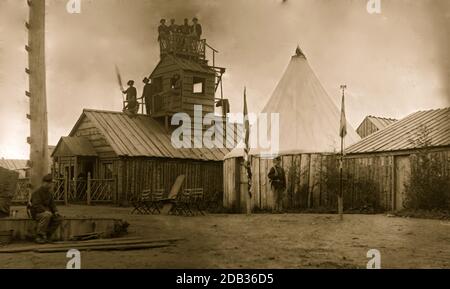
[(261, 241)]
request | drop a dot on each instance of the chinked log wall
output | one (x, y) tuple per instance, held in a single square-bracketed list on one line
[(313, 181), (138, 174)]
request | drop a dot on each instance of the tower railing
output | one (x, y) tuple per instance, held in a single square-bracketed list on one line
[(183, 45)]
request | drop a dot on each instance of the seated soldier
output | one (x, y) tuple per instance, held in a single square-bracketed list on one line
[(44, 211)]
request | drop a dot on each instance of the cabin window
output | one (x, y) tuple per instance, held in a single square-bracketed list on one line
[(198, 85), (108, 171)]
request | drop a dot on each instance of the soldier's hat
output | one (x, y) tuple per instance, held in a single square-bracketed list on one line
[(47, 178), (195, 19), (162, 20), (130, 82)]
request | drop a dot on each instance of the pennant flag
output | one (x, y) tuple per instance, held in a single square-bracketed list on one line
[(247, 144), (343, 126)]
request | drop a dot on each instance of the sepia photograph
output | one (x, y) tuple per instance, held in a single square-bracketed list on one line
[(243, 135)]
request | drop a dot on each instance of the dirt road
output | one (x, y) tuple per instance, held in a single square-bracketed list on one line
[(262, 241)]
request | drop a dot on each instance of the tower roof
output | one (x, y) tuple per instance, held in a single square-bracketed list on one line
[(299, 52)]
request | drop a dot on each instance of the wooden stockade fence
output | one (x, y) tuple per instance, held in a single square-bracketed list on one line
[(371, 182)]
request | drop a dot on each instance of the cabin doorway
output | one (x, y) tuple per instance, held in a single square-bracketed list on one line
[(402, 166)]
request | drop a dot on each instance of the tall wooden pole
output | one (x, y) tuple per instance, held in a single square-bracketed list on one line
[(341, 183), (37, 92), (343, 132)]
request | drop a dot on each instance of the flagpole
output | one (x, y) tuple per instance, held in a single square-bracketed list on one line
[(342, 133), (340, 201)]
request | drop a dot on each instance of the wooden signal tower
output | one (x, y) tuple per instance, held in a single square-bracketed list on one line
[(183, 78)]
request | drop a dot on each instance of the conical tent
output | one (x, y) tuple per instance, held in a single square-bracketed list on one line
[(308, 119)]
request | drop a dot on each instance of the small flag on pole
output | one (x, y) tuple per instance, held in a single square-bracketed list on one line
[(247, 146), (246, 124), (343, 126)]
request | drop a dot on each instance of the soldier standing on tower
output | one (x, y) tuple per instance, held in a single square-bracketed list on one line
[(147, 95), (185, 29), (196, 29), (173, 28), (163, 31), (131, 104)]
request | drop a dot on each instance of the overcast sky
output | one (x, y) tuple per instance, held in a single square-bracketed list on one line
[(393, 63)]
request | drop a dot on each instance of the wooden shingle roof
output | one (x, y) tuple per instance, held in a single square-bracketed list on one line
[(142, 136)]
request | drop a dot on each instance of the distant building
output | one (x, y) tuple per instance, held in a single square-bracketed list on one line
[(22, 166), (385, 156), (19, 166), (372, 124)]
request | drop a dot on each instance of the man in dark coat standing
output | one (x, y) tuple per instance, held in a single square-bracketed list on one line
[(173, 28), (44, 211), (196, 29), (185, 28), (147, 95), (277, 179), (163, 30)]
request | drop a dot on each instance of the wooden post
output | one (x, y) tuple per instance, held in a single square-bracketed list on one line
[(340, 199), (66, 182), (37, 92), (75, 178), (88, 192), (114, 193), (120, 182)]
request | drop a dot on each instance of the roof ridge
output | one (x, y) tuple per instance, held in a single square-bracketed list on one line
[(382, 117), (104, 111)]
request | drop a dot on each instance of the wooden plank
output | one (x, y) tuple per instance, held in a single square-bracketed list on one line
[(304, 179), (198, 101), (269, 193), (311, 181), (256, 194), (109, 247), (296, 162), (290, 181), (242, 201), (226, 177), (323, 184), (263, 182), (391, 182)]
